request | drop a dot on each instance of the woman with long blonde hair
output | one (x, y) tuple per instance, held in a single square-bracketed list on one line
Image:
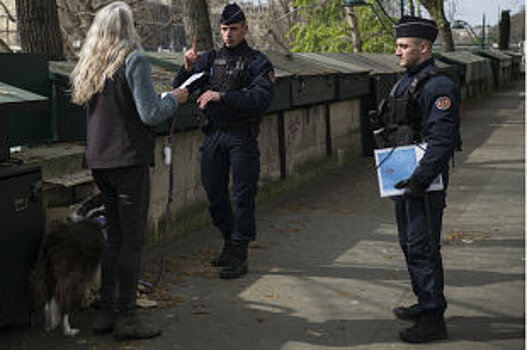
[(112, 80)]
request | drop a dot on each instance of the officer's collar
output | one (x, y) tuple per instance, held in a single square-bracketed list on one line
[(238, 48), (421, 66)]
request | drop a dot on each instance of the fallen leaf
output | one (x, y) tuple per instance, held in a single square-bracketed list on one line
[(273, 296), (201, 313), (315, 333)]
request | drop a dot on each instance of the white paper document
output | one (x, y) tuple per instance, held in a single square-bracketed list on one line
[(192, 79), (186, 83), (394, 165)]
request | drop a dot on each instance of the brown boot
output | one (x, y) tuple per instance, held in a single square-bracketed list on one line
[(134, 327), (104, 321)]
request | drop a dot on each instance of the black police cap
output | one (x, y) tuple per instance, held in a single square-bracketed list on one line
[(416, 27), (232, 13)]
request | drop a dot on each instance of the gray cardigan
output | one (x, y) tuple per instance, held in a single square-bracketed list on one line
[(151, 107)]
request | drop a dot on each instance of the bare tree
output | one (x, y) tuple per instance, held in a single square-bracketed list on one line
[(269, 22), (38, 27), (437, 11), (196, 22), (6, 10), (159, 25), (354, 27), (281, 18)]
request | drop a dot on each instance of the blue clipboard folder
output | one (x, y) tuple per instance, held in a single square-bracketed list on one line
[(396, 164)]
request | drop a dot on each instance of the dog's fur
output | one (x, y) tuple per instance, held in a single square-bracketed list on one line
[(68, 263)]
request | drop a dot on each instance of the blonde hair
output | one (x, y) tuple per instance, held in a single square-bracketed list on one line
[(110, 39)]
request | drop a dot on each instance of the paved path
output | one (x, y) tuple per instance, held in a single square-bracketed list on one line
[(326, 270)]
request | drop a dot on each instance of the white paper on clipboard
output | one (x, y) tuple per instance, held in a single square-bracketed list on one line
[(394, 165)]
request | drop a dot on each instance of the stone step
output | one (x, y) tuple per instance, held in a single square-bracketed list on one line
[(57, 159), (66, 183)]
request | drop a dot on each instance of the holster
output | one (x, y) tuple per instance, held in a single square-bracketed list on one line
[(203, 120)]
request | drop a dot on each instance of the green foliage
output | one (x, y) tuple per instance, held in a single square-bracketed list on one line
[(376, 37), (324, 28)]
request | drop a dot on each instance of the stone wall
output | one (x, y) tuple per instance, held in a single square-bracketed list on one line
[(305, 142)]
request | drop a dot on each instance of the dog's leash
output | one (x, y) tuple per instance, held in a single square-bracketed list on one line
[(146, 287)]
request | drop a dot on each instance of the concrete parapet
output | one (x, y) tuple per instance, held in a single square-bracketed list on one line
[(298, 137), (291, 143)]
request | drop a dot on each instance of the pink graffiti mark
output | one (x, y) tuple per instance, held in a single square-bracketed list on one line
[(293, 125)]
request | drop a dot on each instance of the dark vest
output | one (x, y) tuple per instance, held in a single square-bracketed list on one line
[(399, 120), (116, 136), (230, 72)]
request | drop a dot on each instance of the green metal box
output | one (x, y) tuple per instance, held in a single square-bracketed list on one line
[(501, 65), (310, 83), (68, 119), (29, 72), (352, 81)]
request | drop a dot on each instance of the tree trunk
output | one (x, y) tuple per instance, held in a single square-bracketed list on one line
[(354, 27), (196, 23), (505, 30), (437, 11), (39, 29)]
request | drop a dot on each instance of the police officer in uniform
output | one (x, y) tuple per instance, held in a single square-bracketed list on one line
[(422, 107), (238, 88)]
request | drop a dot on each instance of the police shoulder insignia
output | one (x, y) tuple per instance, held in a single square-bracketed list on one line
[(443, 103)]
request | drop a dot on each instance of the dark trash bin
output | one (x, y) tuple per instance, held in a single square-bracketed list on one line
[(20, 238)]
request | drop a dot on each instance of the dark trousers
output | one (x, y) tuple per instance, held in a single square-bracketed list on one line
[(126, 198), (424, 264), (223, 150)]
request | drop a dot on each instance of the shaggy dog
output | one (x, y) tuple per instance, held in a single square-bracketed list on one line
[(68, 264)]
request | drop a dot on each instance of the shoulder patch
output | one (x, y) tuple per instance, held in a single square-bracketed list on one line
[(443, 103)]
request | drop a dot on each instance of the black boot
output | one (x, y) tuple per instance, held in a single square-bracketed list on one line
[(431, 326), (237, 265), (412, 313), (224, 258)]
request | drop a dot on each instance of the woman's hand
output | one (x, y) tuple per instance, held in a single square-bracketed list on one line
[(181, 94)]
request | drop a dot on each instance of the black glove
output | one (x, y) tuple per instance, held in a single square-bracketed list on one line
[(414, 188)]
